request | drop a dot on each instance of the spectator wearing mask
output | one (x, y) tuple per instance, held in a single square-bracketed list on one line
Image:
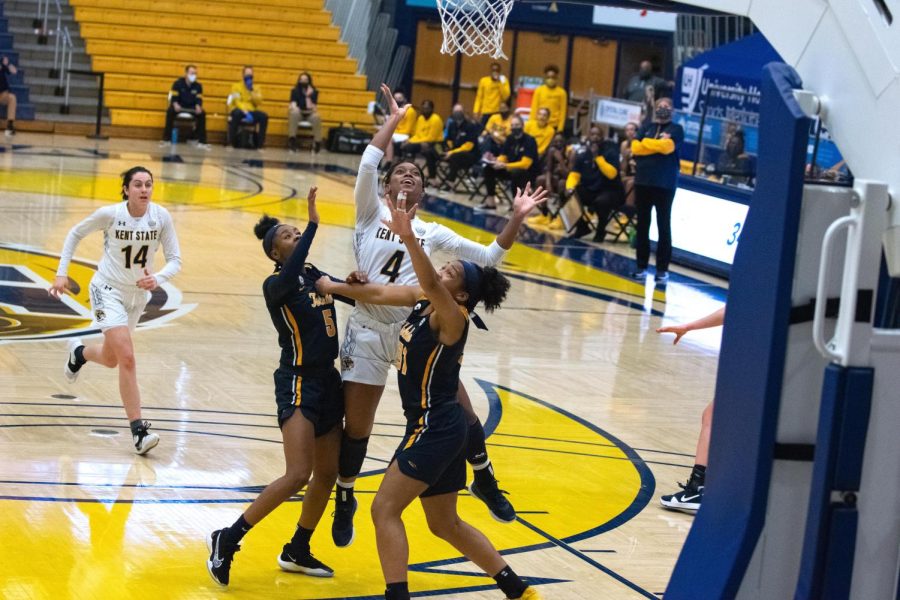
[(518, 155), (733, 163), (493, 90), (496, 130), (595, 178), (427, 139), (636, 90), (541, 130), (404, 130), (554, 172), (6, 95), (462, 144), (551, 96), (655, 150), (304, 107), (186, 96), (244, 104)]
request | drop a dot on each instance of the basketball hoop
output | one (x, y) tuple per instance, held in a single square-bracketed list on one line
[(474, 26)]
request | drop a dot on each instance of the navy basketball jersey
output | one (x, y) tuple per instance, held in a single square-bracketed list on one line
[(428, 373), (306, 321)]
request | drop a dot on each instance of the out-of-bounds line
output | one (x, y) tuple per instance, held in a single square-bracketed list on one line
[(588, 454), (550, 439), (561, 544)]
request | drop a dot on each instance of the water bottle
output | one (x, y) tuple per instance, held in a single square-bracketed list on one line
[(174, 135)]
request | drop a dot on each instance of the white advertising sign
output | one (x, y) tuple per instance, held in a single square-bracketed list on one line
[(617, 112), (705, 225)]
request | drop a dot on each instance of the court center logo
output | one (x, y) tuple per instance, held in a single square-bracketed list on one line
[(28, 312)]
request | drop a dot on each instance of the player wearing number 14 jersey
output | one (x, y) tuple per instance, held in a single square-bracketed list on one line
[(370, 342), (132, 232)]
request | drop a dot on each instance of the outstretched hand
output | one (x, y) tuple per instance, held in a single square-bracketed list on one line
[(312, 211), (60, 286), (401, 219), (393, 109), (678, 330), (526, 200)]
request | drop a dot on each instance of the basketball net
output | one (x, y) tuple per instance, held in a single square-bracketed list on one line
[(474, 26)]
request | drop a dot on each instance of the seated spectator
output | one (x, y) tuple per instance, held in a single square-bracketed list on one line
[(404, 130), (6, 96), (462, 144), (304, 107), (186, 99), (553, 97), (427, 139), (626, 158), (636, 90), (518, 155), (243, 103), (495, 130), (595, 178), (493, 90), (540, 129), (733, 165), (554, 171)]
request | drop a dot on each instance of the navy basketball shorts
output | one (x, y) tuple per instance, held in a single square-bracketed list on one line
[(433, 450), (318, 396)]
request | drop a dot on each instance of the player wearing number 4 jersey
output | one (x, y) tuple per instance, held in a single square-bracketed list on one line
[(121, 288), (369, 346)]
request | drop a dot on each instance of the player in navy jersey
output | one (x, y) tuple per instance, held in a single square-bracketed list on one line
[(308, 394), (430, 462)]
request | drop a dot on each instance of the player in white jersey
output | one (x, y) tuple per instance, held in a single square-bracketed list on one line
[(132, 232), (370, 342)]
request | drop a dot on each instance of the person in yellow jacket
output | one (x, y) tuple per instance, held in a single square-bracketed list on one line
[(541, 130), (493, 90), (551, 96), (404, 130), (243, 104), (496, 130), (427, 138)]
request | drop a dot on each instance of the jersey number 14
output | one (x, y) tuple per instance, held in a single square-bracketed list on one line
[(140, 258)]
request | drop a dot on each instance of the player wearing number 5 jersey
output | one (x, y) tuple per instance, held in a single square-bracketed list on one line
[(119, 291), (369, 346)]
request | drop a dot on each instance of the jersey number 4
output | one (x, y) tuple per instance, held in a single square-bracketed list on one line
[(392, 266), (139, 259)]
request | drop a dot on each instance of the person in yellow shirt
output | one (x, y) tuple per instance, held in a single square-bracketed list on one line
[(427, 138), (496, 130), (552, 97), (540, 129), (404, 130), (493, 90), (244, 102)]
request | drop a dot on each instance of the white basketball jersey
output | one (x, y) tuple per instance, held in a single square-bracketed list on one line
[(381, 254), (129, 244)]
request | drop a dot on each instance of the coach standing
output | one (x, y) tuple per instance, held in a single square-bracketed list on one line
[(655, 149)]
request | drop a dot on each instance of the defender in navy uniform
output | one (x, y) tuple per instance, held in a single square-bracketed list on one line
[(309, 396), (430, 462)]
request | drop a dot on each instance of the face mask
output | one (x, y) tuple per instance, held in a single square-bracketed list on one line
[(516, 131), (550, 81), (645, 73), (458, 116), (248, 81), (192, 77), (663, 113), (304, 84), (504, 113)]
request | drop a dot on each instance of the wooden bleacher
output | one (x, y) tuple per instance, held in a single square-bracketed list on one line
[(143, 47)]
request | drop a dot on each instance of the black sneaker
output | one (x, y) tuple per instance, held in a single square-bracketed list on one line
[(72, 364), (497, 504), (144, 441), (342, 531), (687, 500), (221, 553), (662, 277), (640, 274), (302, 561)]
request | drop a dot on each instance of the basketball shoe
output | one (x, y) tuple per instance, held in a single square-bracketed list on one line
[(342, 531), (221, 553), (144, 441), (687, 500), (487, 491), (529, 594), (302, 561), (73, 365)]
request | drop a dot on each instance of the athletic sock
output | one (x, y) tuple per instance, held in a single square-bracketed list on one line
[(137, 427), (484, 474), (698, 475), (10, 124), (79, 356), (510, 583), (237, 531), (397, 591), (301, 537), (476, 451), (343, 491)]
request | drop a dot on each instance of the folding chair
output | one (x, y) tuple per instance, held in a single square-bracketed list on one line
[(571, 212), (624, 219)]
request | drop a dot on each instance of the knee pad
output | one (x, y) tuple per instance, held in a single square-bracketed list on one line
[(353, 453)]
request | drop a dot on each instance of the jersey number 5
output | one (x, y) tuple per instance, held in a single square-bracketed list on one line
[(139, 259), (330, 329), (392, 266)]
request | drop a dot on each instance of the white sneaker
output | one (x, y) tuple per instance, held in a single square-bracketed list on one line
[(165, 144), (206, 147), (72, 367), (145, 441)]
